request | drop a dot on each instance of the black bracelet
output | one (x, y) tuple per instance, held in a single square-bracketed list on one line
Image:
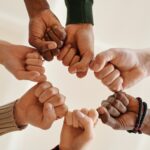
[(138, 120), (143, 116)]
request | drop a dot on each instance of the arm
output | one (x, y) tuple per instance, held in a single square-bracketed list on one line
[(78, 50), (45, 31), (146, 124), (35, 8), (120, 68)]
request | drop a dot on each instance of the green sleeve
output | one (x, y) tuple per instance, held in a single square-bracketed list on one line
[(79, 11)]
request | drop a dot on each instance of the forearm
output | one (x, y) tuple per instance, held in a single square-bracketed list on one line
[(79, 11), (3, 46), (35, 6), (146, 124)]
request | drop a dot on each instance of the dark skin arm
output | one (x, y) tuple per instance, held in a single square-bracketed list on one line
[(120, 112), (45, 31)]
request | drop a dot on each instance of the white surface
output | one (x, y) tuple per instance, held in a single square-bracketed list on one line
[(118, 23)]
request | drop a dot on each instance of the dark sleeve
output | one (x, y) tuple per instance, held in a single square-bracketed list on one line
[(79, 11), (56, 148)]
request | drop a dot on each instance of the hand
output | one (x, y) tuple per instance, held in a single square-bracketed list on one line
[(46, 34), (77, 52), (77, 131), (119, 111), (13, 58), (34, 62), (119, 68), (40, 106)]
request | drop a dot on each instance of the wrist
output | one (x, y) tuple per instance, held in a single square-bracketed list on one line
[(34, 8), (145, 128), (4, 46), (144, 60), (20, 115)]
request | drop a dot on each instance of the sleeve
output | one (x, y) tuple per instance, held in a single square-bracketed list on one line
[(7, 120), (79, 11), (56, 148)]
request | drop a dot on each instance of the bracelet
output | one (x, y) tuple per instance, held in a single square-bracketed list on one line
[(140, 118)]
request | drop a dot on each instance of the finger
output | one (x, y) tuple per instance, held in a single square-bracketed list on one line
[(69, 118), (40, 78), (34, 55), (82, 74), (27, 75), (34, 62), (102, 59), (85, 111), (107, 119), (112, 110), (111, 77), (53, 37), (109, 68), (41, 69), (47, 55), (59, 32), (55, 52), (43, 45), (48, 94), (63, 52), (69, 56), (116, 85), (41, 88), (86, 123), (93, 114), (57, 100), (75, 59), (83, 64), (119, 106), (75, 120), (49, 116), (122, 97), (61, 111)]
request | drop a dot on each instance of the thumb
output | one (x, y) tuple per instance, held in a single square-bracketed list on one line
[(49, 116), (27, 75), (102, 59), (85, 122), (83, 65)]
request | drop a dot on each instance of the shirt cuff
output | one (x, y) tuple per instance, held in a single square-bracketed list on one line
[(79, 11), (7, 120)]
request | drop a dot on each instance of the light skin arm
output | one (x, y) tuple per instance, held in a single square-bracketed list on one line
[(120, 68), (40, 106), (15, 58)]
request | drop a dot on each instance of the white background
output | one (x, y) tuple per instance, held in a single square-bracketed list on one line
[(118, 23)]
